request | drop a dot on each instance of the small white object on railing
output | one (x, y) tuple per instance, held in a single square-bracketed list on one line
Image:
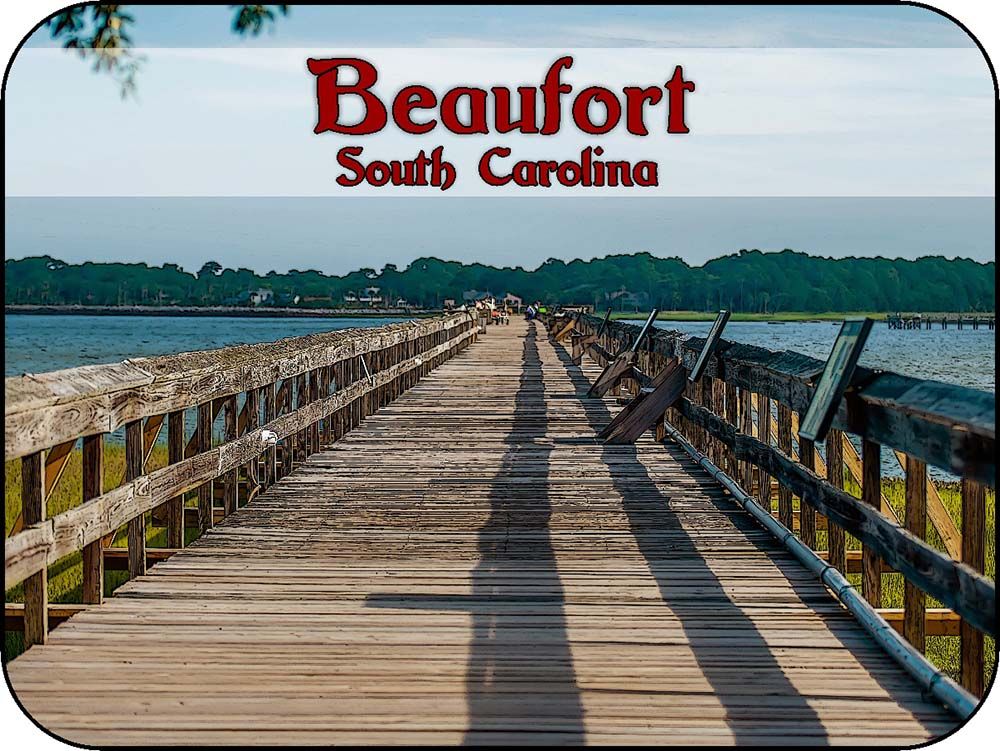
[(269, 438)]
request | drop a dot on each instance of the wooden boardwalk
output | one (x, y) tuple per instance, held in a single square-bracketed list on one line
[(471, 564)]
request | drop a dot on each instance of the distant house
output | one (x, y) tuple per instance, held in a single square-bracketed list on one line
[(513, 301), (261, 296), (371, 296), (350, 297), (401, 303), (449, 303), (623, 299)]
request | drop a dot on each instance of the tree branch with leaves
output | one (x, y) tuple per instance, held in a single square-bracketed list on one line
[(101, 33)]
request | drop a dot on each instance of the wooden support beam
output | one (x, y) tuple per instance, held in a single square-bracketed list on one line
[(784, 444), (807, 531), (93, 486), (55, 464), (36, 595), (137, 525), (938, 514), (175, 453), (937, 621), (836, 540), (203, 434), (617, 369), (871, 494), (642, 413), (565, 330), (55, 614), (914, 599), (764, 433), (229, 480), (116, 559), (973, 555)]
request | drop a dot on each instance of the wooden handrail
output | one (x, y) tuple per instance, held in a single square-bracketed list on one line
[(39, 545), (51, 408), (945, 425)]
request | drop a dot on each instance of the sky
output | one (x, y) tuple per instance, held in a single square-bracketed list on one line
[(892, 103)]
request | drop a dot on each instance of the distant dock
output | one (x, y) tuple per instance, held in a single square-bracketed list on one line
[(918, 321)]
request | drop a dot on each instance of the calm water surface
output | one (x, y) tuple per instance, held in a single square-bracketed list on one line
[(36, 344), (965, 357)]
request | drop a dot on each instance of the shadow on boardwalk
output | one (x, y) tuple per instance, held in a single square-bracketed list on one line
[(501, 668), (743, 709), (649, 514), (519, 673)]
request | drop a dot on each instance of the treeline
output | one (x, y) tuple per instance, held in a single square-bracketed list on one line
[(748, 281)]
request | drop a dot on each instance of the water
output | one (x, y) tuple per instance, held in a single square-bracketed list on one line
[(40, 343), (36, 344), (965, 357)]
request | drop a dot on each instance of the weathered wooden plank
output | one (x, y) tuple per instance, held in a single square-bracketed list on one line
[(229, 479), (203, 431), (134, 459), (619, 368), (36, 596), (837, 543), (974, 556), (175, 454), (914, 600), (871, 493), (785, 445), (93, 487), (643, 411)]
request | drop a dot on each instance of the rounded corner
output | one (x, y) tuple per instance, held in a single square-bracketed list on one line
[(24, 39), (968, 32), (33, 720)]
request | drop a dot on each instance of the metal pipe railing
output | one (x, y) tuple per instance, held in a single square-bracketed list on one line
[(931, 680)]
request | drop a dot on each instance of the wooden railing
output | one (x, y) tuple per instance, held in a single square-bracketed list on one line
[(298, 395), (743, 414)]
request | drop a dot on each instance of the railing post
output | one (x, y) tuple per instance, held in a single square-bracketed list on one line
[(251, 469), (270, 412), (764, 435), (746, 427), (314, 395), (36, 595), (973, 554), (136, 526), (807, 514), (733, 418), (175, 453), (204, 443), (785, 512), (914, 599), (230, 479), (93, 486), (871, 493), (836, 543)]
